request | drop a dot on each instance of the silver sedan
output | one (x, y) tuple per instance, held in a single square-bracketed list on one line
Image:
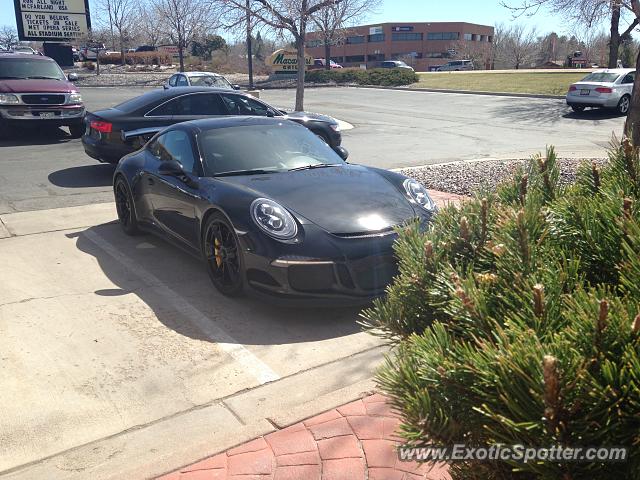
[(610, 88), (199, 79)]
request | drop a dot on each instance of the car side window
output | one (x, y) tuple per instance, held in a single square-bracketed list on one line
[(182, 81), (199, 104), (241, 105), (175, 145), (629, 77), (172, 80), (164, 110)]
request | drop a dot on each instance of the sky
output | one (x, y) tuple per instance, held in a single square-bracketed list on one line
[(486, 12)]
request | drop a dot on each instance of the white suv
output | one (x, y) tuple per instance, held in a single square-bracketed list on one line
[(456, 65)]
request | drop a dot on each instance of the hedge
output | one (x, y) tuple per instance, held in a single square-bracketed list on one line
[(377, 76), (516, 320)]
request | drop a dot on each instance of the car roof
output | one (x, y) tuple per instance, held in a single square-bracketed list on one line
[(231, 121), (23, 56), (195, 74), (614, 70)]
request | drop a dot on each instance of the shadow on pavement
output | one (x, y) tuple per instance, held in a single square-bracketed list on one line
[(98, 175), (151, 266), (551, 113), (35, 136)]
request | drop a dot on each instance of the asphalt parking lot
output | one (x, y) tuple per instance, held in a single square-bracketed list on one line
[(393, 129), (118, 359)]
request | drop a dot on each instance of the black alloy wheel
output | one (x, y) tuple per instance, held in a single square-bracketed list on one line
[(125, 208), (222, 255)]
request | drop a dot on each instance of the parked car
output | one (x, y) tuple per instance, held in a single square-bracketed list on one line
[(199, 79), (146, 48), (24, 49), (456, 66), (112, 133), (90, 52), (34, 92), (607, 88), (395, 64), (270, 208), (319, 64)]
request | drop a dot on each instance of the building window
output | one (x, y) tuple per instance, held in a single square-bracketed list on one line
[(355, 39), (376, 37), (468, 36), (443, 36), (396, 56), (377, 57), (406, 37), (476, 37), (314, 43), (354, 59), (489, 38), (435, 55), (483, 38), (337, 59)]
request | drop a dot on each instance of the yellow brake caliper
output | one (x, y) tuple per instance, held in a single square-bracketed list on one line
[(216, 252)]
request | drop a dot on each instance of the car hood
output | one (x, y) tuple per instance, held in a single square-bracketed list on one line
[(303, 116), (37, 86), (347, 199)]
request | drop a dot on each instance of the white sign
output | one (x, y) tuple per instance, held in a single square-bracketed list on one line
[(375, 30), (52, 20)]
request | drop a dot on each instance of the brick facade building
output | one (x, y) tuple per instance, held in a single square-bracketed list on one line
[(422, 45)]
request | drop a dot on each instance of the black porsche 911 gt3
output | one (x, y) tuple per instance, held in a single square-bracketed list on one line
[(270, 207), (112, 133)]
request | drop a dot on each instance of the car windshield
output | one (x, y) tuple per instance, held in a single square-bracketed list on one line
[(263, 148), (401, 64), (22, 68), (601, 77), (209, 81)]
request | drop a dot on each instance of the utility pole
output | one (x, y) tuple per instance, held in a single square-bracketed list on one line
[(249, 50)]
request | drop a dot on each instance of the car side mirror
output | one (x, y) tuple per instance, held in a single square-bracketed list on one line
[(270, 113), (171, 167), (236, 87), (165, 86), (342, 152), (72, 77)]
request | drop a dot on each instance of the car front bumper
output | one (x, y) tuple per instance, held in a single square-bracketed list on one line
[(53, 115), (325, 270)]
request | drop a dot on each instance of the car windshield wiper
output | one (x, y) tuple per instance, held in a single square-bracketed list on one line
[(12, 78), (41, 77), (254, 171), (315, 165)]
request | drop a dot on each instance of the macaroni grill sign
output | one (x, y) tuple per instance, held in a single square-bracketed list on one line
[(286, 62), (52, 20)]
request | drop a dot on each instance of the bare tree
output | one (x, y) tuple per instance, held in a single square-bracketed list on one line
[(8, 36), (121, 15), (151, 26), (184, 20), (285, 16), (515, 46), (588, 13), (331, 21)]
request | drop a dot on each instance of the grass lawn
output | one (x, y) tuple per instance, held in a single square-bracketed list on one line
[(526, 82)]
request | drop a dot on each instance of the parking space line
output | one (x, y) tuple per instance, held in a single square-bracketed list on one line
[(252, 364)]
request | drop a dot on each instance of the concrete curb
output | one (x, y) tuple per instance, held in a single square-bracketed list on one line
[(463, 92)]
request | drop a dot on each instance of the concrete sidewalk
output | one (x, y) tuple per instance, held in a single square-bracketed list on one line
[(356, 441)]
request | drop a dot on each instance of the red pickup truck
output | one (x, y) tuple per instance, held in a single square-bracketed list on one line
[(34, 92)]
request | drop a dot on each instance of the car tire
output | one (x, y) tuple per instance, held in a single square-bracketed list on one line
[(624, 105), (76, 130), (125, 207), (577, 108), (222, 255)]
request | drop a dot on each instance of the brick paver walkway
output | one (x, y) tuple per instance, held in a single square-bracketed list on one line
[(352, 442)]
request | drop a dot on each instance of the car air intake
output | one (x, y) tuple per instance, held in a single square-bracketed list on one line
[(43, 99)]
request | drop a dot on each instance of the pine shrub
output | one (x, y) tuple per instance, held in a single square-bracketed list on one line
[(516, 320)]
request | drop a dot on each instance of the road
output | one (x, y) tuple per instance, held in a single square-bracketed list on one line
[(392, 129)]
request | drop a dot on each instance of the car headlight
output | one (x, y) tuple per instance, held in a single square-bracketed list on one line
[(8, 99), (274, 219), (74, 98), (418, 194)]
